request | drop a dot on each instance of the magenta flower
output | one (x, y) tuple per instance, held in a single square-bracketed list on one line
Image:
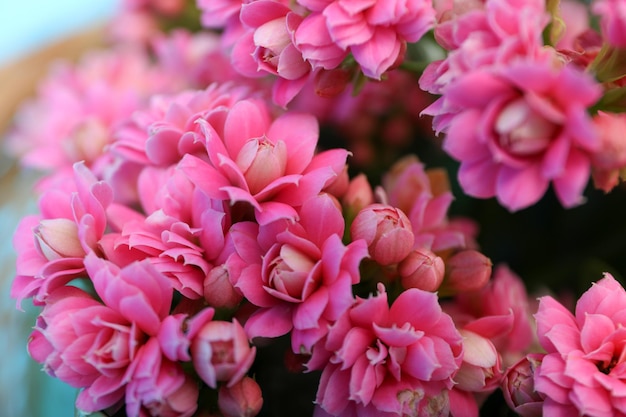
[(244, 399), (389, 361), (425, 197), (526, 128), (138, 291), (387, 232), (612, 15), (86, 345), (518, 386), (51, 247), (73, 117), (220, 350), (582, 372), (300, 275), (374, 32), (159, 387), (270, 165)]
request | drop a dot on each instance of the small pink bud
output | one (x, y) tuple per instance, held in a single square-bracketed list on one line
[(387, 231), (262, 162), (359, 194), (518, 387), (423, 270), (480, 368), (467, 270), (221, 352), (330, 83), (243, 399), (58, 238), (219, 291)]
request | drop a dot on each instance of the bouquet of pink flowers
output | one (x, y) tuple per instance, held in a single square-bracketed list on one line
[(245, 210)]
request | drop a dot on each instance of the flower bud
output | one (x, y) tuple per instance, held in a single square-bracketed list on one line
[(480, 368), (221, 352), (58, 238), (518, 387), (423, 270), (243, 399), (387, 231), (219, 291), (359, 194), (467, 270), (262, 162)]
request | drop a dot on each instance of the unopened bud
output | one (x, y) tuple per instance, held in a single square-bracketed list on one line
[(423, 270), (467, 270), (58, 238), (243, 399), (387, 231)]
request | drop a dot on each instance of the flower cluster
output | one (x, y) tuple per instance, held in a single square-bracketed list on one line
[(210, 194)]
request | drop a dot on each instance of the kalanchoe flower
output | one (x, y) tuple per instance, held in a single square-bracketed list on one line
[(612, 15), (138, 291), (374, 32), (78, 107), (86, 345), (422, 269), (425, 196), (582, 371), (608, 162), (269, 164), (528, 128), (220, 350), (243, 399), (300, 275), (51, 247), (389, 361), (158, 386), (466, 270), (387, 232), (518, 386)]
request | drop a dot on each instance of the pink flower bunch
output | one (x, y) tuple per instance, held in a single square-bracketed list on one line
[(581, 372), (305, 40), (612, 14), (78, 108), (389, 361), (526, 127)]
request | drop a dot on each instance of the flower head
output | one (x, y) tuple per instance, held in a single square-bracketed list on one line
[(582, 371), (397, 360)]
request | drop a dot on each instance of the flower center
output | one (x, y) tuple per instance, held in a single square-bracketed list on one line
[(522, 131)]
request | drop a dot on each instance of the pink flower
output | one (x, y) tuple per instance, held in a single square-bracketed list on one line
[(184, 234), (300, 275), (528, 127), (582, 371), (518, 386), (138, 291), (422, 269), (425, 197), (270, 165), (159, 387), (374, 32), (482, 35), (220, 350), (77, 108), (612, 15), (610, 158), (86, 345), (389, 361), (499, 311), (165, 131), (243, 399), (51, 246), (387, 232)]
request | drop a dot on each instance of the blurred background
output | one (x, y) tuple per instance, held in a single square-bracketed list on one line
[(32, 34)]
